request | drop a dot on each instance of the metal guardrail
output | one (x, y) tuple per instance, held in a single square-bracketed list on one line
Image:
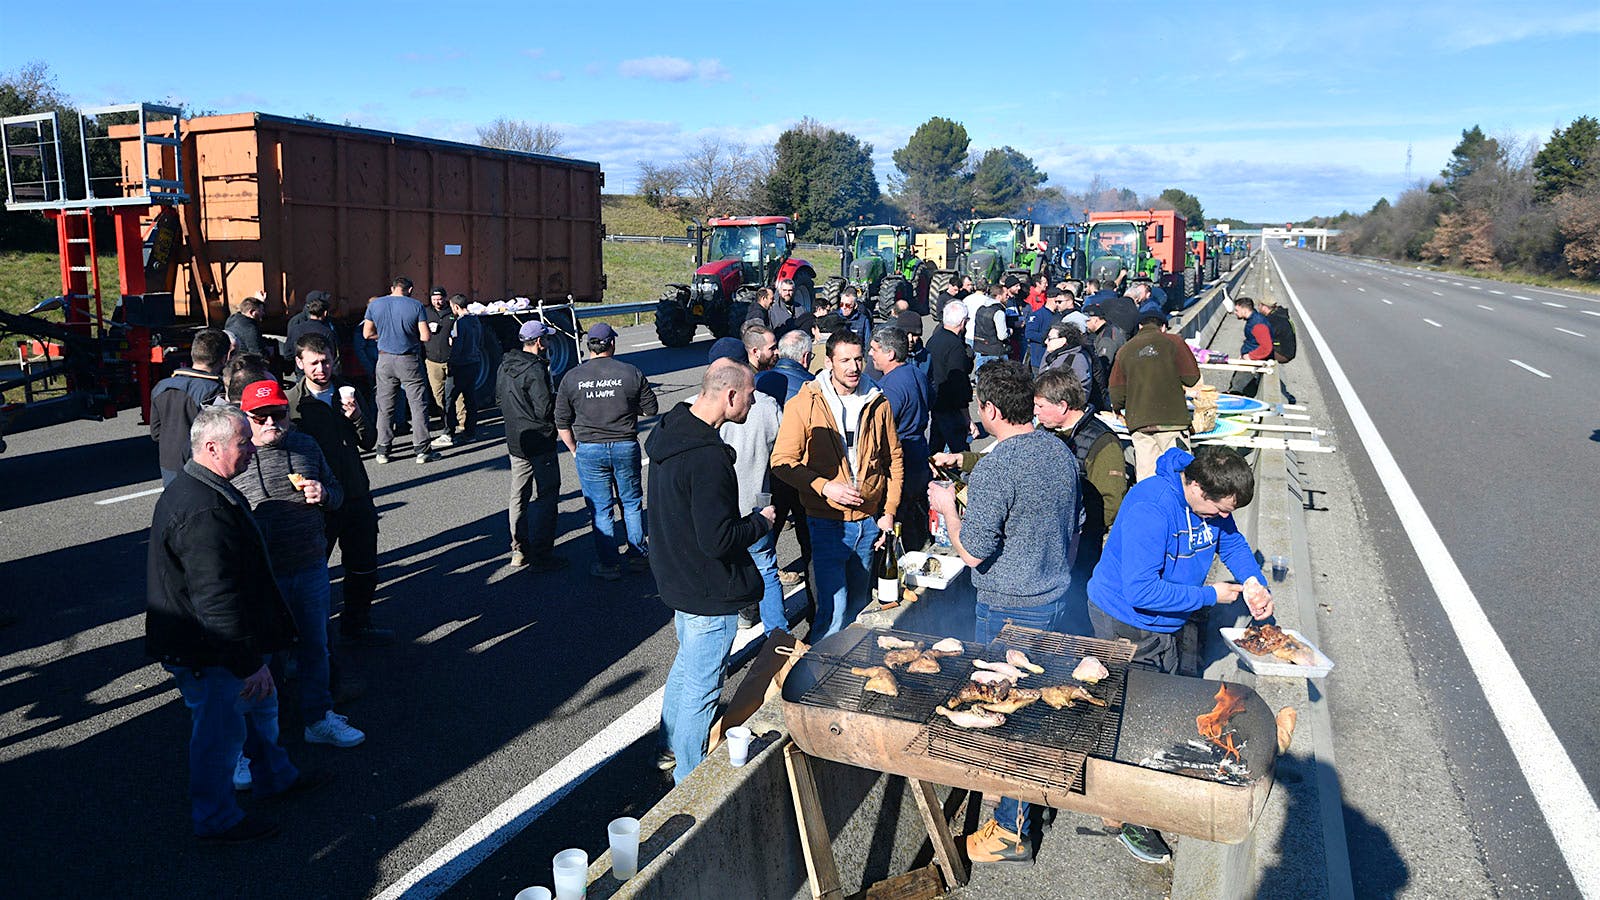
[(685, 242)]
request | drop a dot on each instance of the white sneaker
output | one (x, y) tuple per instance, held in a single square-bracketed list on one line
[(334, 729), (241, 773), (443, 440)]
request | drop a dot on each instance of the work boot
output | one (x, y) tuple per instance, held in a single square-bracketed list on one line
[(993, 844)]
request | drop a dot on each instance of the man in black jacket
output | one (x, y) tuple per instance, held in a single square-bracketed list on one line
[(949, 381), (701, 558), (522, 390), (245, 324), (338, 418), (213, 614), (177, 399), (1284, 341)]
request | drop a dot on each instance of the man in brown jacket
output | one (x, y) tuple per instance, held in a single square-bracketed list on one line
[(837, 446), (1146, 385)]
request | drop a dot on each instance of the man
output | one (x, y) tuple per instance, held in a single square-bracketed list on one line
[(786, 296), (701, 563), (989, 332), (1038, 292), (1144, 301), (751, 441), (399, 325), (950, 382), (1121, 312), (760, 348), (1064, 350), (910, 322), (952, 292), (1151, 576), (1061, 406), (837, 446), (598, 408), (1146, 386), (245, 324), (527, 403), (290, 512), (1018, 539), (906, 388), (178, 398), (213, 614), (313, 319), (465, 366), (791, 371), (1284, 342), (1039, 321), (1257, 345), (436, 355), (342, 426), (1094, 292), (1070, 311), (854, 316), (1107, 340), (769, 311)]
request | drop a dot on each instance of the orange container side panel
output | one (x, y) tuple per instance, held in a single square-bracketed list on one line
[(289, 206), (1173, 246)]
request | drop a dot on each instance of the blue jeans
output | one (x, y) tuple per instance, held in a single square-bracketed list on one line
[(223, 725), (978, 359), (609, 473), (841, 555), (694, 685), (306, 592), (1013, 814), (765, 553)]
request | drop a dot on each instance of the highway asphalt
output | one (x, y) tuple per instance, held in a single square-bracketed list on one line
[(1502, 460)]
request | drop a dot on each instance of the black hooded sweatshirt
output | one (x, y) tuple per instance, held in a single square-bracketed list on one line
[(699, 537)]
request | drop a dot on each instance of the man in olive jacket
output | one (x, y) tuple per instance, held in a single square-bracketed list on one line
[(213, 614), (1146, 385)]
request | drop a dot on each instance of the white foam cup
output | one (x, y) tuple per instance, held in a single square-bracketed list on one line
[(533, 893), (738, 745), (571, 874), (624, 835), (347, 393)]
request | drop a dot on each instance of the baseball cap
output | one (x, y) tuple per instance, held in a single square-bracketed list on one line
[(1095, 309), (437, 291), (910, 321), (726, 348), (262, 394), (1010, 281), (600, 331), (532, 331)]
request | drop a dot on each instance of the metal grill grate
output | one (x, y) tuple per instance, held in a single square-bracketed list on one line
[(838, 688)]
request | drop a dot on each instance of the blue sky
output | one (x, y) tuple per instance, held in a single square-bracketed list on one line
[(1263, 111)]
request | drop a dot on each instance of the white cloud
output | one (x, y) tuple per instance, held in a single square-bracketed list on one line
[(1518, 24), (673, 68)]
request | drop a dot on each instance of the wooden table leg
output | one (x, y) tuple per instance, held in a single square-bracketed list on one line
[(821, 867), (944, 846)]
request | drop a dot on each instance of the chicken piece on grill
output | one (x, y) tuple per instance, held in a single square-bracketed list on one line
[(1090, 670), (1061, 696), (986, 677), (899, 657), (879, 680), (947, 647), (1020, 660), (1005, 669), (975, 692), (890, 642), (926, 663), (1016, 699), (971, 718)]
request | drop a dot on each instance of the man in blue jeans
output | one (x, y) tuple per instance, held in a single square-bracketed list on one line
[(1016, 533), (598, 408), (213, 614)]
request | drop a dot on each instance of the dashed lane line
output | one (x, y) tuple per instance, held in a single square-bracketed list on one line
[(1554, 305), (1436, 293), (1489, 308), (134, 496), (1501, 293), (1571, 332), (1563, 798), (1522, 365), (1589, 312), (1520, 297), (1362, 290), (1433, 323), (1387, 300)]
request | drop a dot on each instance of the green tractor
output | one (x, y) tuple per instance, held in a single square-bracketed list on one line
[(880, 260), (990, 249)]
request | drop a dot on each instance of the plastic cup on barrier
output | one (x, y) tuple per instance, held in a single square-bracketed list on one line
[(624, 835), (739, 739), (533, 893), (571, 874), (1280, 568)]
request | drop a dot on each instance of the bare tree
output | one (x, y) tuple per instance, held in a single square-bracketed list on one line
[(661, 185), (518, 134), (719, 176)]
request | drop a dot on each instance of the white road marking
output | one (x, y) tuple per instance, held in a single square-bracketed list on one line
[(1555, 305), (110, 500), (1571, 332), (1476, 287), (1433, 323), (1589, 312), (1520, 364), (1457, 284), (1563, 798), (1565, 296), (1489, 308), (1436, 293), (648, 344), (1387, 300), (1520, 297), (1362, 290), (1501, 293)]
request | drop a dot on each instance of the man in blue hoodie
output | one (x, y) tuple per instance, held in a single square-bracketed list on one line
[(1151, 576)]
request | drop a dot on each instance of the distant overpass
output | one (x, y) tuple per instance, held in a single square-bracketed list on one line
[(1281, 234)]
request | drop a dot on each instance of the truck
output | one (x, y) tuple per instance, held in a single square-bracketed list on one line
[(1146, 245), (733, 258), (883, 264)]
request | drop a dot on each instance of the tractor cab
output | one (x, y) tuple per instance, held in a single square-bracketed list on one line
[(1113, 248), (998, 235), (758, 247), (885, 242)]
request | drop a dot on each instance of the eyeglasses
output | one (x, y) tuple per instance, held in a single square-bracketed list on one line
[(263, 418)]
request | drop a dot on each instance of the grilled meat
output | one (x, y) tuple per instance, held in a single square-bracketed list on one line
[(974, 692), (926, 663), (879, 680), (947, 647), (1090, 670), (899, 657), (1061, 696), (1265, 640), (889, 642), (1015, 699), (986, 677), (971, 718), (1020, 660), (1006, 669)]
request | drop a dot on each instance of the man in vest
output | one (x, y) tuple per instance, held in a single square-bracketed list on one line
[(1257, 345), (1060, 406), (989, 333)]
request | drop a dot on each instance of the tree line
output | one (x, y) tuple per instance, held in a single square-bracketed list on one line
[(1498, 204)]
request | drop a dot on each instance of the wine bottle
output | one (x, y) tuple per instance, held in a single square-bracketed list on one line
[(886, 568)]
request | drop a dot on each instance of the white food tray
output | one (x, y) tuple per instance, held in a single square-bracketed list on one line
[(949, 568), (1271, 665)]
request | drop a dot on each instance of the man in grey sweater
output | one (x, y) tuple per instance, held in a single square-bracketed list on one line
[(1016, 534), (289, 485)]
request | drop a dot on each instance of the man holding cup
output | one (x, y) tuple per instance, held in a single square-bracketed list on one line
[(701, 559)]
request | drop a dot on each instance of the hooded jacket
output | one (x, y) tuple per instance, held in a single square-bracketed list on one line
[(522, 390), (699, 536), (174, 403), (811, 452), (1152, 572)]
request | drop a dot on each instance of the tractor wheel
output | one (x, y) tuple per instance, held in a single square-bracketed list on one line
[(830, 289), (738, 310), (719, 319), (805, 292), (941, 280), (921, 287), (888, 292), (1191, 282), (673, 327)]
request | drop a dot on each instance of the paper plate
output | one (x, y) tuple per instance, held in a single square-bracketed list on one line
[(1233, 404)]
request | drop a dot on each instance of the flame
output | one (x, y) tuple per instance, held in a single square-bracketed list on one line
[(1211, 724)]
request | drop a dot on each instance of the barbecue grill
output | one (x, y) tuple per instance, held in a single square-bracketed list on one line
[(1141, 758)]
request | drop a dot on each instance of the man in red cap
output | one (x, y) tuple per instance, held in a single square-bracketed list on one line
[(290, 486)]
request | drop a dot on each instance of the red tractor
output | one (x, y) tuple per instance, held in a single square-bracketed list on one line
[(741, 255)]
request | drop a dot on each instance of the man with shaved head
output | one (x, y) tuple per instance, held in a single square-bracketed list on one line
[(701, 557)]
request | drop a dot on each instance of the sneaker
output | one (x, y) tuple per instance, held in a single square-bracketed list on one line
[(518, 559), (609, 573), (380, 458), (551, 563), (1145, 844), (750, 616), (443, 440), (427, 457), (666, 760), (334, 729), (250, 828), (241, 773), (993, 844)]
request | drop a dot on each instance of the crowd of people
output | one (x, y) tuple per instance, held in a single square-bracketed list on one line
[(812, 418)]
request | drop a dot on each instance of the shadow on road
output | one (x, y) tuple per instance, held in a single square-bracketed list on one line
[(75, 471), (1376, 869)]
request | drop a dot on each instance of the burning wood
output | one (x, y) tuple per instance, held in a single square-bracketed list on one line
[(1213, 723)]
